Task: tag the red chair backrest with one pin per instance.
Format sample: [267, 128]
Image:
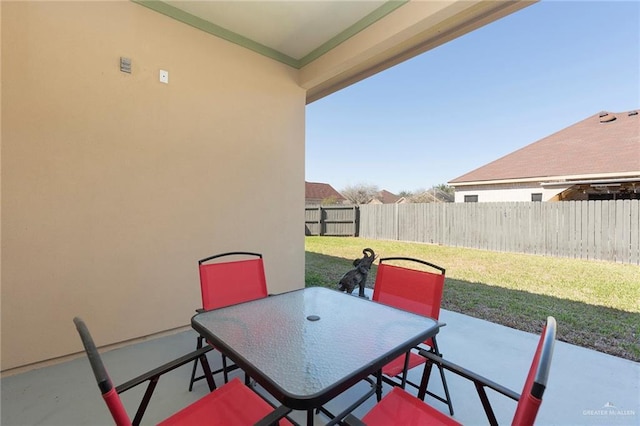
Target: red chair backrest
[227, 283]
[531, 396]
[109, 394]
[413, 290]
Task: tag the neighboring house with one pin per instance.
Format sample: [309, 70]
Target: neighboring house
[386, 197]
[595, 159]
[321, 193]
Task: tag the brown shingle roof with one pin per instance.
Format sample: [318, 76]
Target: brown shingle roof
[320, 191]
[386, 197]
[596, 145]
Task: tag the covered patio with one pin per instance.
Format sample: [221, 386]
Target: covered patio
[114, 183]
[140, 136]
[585, 387]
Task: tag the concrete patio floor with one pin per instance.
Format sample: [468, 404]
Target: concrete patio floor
[585, 387]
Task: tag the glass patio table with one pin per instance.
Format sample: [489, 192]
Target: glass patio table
[307, 346]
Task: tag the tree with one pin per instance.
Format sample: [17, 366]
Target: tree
[329, 201]
[437, 194]
[445, 188]
[360, 193]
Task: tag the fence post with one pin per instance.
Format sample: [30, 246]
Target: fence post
[356, 218]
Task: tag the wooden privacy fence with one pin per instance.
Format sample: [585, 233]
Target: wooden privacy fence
[602, 230]
[331, 220]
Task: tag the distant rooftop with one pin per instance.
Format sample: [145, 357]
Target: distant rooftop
[604, 143]
[386, 197]
[321, 191]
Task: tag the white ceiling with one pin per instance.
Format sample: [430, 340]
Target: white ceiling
[293, 28]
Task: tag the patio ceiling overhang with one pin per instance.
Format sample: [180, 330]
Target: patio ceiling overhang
[334, 44]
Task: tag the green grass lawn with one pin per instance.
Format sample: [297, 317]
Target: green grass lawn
[597, 304]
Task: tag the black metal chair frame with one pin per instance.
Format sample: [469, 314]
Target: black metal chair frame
[225, 369]
[425, 377]
[403, 379]
[337, 418]
[152, 376]
[481, 383]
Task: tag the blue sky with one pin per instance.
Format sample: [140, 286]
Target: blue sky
[475, 99]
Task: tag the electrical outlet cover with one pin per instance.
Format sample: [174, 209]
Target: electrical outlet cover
[164, 76]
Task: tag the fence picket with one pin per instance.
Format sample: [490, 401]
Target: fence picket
[603, 230]
[634, 230]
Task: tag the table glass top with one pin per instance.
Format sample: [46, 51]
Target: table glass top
[281, 337]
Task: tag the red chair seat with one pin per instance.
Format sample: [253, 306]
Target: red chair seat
[396, 366]
[231, 404]
[400, 408]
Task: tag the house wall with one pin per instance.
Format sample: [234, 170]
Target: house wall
[114, 184]
[505, 192]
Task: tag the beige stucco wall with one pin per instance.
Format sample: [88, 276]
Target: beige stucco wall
[113, 184]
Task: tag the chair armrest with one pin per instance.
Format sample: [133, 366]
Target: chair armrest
[352, 420]
[273, 417]
[165, 368]
[470, 375]
[479, 381]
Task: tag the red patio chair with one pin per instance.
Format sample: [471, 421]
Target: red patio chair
[225, 283]
[399, 407]
[418, 291]
[231, 404]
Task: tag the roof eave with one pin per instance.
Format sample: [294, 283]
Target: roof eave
[548, 179]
